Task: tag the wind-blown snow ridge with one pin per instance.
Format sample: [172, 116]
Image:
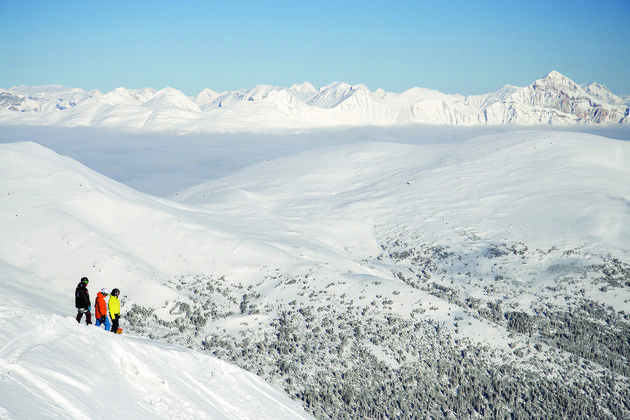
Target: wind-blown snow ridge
[552, 100]
[51, 367]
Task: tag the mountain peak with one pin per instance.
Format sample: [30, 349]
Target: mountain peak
[555, 75]
[601, 92]
[557, 82]
[305, 87]
[171, 97]
[555, 78]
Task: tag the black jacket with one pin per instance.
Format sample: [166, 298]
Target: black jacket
[82, 296]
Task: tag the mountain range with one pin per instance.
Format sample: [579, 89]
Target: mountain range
[552, 100]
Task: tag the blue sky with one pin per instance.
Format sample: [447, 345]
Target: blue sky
[454, 46]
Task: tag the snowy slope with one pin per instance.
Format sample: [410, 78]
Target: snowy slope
[518, 185]
[114, 231]
[552, 100]
[602, 92]
[51, 366]
[54, 368]
[320, 270]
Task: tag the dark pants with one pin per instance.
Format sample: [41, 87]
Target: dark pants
[88, 315]
[115, 323]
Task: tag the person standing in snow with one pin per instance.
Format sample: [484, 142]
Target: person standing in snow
[114, 309]
[82, 301]
[100, 310]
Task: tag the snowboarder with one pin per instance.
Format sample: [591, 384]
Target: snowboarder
[100, 310]
[114, 309]
[82, 301]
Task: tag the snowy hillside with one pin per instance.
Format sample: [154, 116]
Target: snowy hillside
[552, 100]
[50, 366]
[473, 277]
[54, 368]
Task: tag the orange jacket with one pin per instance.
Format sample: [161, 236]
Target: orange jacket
[101, 306]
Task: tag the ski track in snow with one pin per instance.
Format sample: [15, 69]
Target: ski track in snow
[23, 375]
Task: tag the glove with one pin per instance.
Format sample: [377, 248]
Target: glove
[90, 309]
[103, 319]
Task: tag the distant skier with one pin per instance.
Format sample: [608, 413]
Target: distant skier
[114, 309]
[82, 301]
[100, 310]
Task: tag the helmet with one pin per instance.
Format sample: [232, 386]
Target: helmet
[105, 291]
[115, 292]
[84, 280]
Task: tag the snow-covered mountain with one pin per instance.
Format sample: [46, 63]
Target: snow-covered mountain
[558, 100]
[42, 98]
[552, 100]
[487, 277]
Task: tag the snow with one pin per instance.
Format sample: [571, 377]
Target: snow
[602, 93]
[53, 367]
[552, 100]
[63, 369]
[244, 205]
[207, 96]
[169, 99]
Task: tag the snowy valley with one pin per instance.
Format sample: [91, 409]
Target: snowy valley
[403, 271]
